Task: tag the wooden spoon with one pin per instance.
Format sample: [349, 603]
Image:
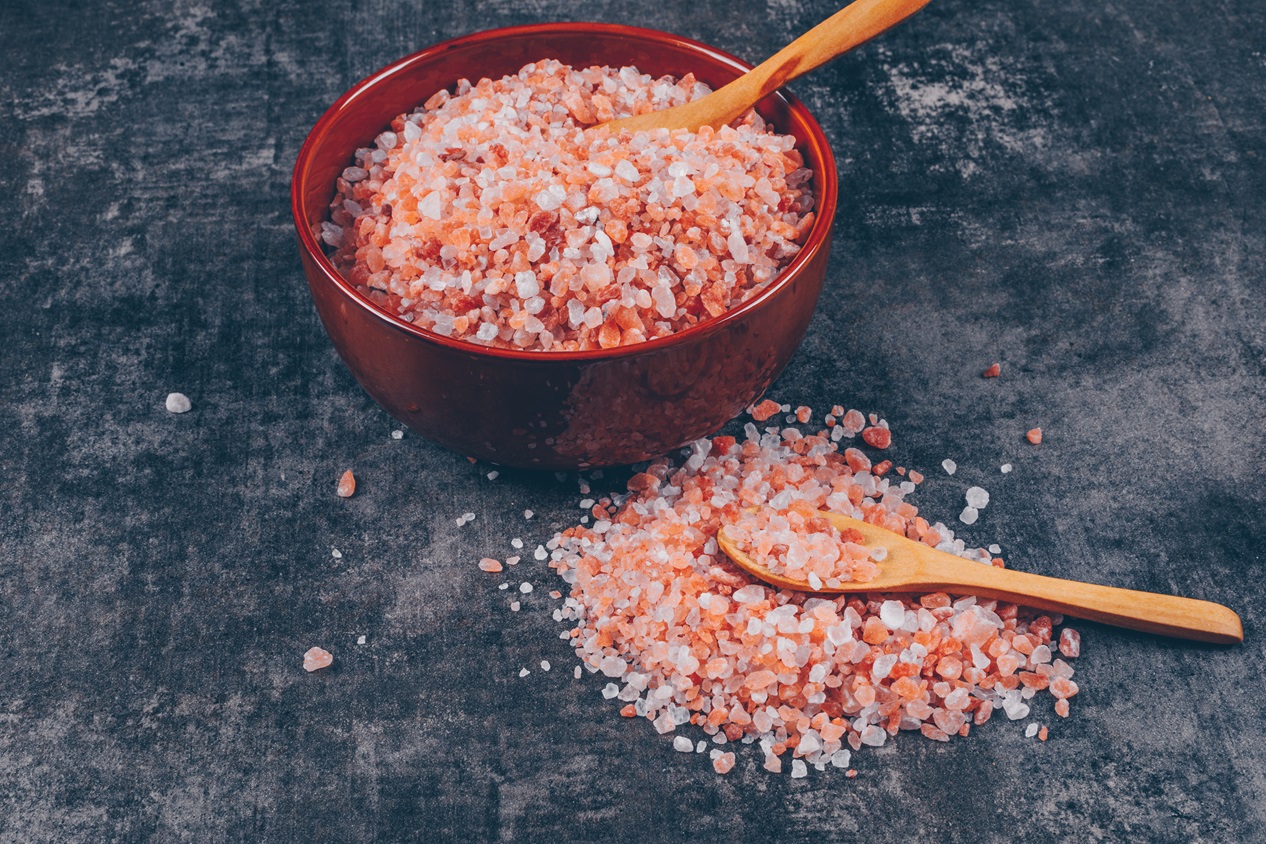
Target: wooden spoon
[854, 24]
[914, 567]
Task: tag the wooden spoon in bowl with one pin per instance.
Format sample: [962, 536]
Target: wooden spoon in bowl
[914, 567]
[854, 24]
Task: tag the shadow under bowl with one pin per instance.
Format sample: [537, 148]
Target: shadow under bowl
[556, 410]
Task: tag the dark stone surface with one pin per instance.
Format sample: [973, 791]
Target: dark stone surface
[1073, 189]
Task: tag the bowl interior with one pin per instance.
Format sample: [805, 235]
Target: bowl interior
[366, 110]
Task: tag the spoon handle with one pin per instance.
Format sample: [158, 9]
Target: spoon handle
[1149, 612]
[855, 24]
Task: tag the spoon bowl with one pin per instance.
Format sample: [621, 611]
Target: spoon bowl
[911, 566]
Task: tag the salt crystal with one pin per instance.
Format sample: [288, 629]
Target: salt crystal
[1005, 468]
[995, 549]
[493, 475]
[969, 515]
[523, 672]
[515, 606]
[397, 434]
[949, 466]
[977, 497]
[545, 665]
[540, 553]
[527, 514]
[336, 554]
[525, 588]
[178, 403]
[315, 659]
[798, 769]
[1030, 731]
[360, 640]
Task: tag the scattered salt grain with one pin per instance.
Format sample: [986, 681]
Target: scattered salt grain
[724, 763]
[316, 658]
[490, 565]
[346, 485]
[949, 466]
[969, 515]
[360, 640]
[1030, 731]
[993, 371]
[523, 672]
[798, 769]
[397, 435]
[977, 497]
[545, 665]
[540, 553]
[527, 514]
[681, 744]
[995, 549]
[336, 554]
[515, 606]
[1005, 468]
[1034, 436]
[178, 403]
[516, 543]
[493, 475]
[525, 588]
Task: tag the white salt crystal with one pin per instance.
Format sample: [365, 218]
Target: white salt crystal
[515, 606]
[1030, 731]
[798, 769]
[516, 543]
[360, 640]
[627, 171]
[525, 588]
[547, 200]
[681, 744]
[749, 594]
[892, 614]
[977, 497]
[493, 475]
[336, 554]
[503, 587]
[431, 206]
[397, 435]
[969, 515]
[540, 553]
[576, 672]
[523, 672]
[949, 466]
[178, 403]
[545, 665]
[527, 514]
[995, 549]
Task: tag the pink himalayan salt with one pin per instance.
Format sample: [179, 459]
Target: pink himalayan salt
[346, 485]
[993, 371]
[798, 544]
[1034, 436]
[317, 658]
[724, 763]
[765, 409]
[490, 565]
[1070, 643]
[694, 639]
[490, 215]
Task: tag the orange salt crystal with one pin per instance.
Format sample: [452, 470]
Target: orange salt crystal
[317, 658]
[803, 414]
[1042, 734]
[851, 773]
[765, 409]
[916, 477]
[881, 468]
[993, 371]
[1061, 708]
[1034, 436]
[629, 711]
[346, 485]
[877, 437]
[874, 632]
[724, 763]
[488, 564]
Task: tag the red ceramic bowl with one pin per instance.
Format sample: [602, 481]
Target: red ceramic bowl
[556, 409]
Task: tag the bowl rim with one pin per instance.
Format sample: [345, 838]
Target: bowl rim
[818, 238]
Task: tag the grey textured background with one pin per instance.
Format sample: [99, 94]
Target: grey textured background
[1074, 189]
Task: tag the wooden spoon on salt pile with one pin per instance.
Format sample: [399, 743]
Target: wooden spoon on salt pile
[855, 24]
[914, 567]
